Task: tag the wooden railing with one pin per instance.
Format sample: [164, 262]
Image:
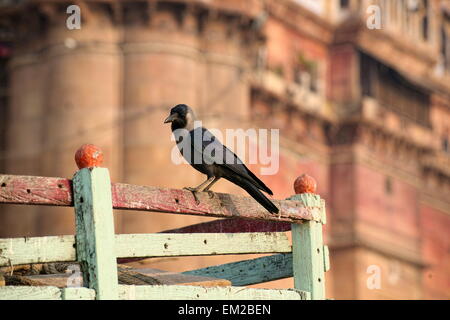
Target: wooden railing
[249, 228]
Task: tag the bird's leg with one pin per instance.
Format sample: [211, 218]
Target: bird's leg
[211, 194]
[196, 189]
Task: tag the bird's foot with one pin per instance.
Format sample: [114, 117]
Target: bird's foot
[210, 193]
[193, 190]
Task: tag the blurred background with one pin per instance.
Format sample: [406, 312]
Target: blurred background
[361, 96]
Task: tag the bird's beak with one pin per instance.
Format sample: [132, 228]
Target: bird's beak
[170, 118]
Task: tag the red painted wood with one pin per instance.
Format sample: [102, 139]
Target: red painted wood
[233, 226]
[35, 190]
[221, 205]
[58, 191]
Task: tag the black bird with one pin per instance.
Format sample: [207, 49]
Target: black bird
[205, 153]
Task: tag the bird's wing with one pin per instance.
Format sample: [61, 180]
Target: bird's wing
[214, 152]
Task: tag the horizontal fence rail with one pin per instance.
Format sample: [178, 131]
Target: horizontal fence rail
[16, 251]
[58, 192]
[157, 292]
[253, 271]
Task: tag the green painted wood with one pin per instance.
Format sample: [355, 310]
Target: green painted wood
[307, 253]
[14, 251]
[175, 292]
[313, 203]
[77, 294]
[326, 258]
[247, 272]
[189, 244]
[29, 293]
[323, 211]
[95, 231]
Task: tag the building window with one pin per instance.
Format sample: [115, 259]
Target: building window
[344, 4]
[445, 145]
[388, 186]
[394, 91]
[425, 28]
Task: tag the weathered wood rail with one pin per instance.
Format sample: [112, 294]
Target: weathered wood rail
[248, 228]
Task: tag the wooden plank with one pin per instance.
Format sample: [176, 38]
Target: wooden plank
[247, 272]
[60, 280]
[174, 278]
[77, 294]
[58, 191]
[17, 251]
[167, 244]
[29, 293]
[14, 251]
[95, 231]
[307, 255]
[35, 190]
[326, 258]
[203, 293]
[127, 275]
[233, 225]
[222, 205]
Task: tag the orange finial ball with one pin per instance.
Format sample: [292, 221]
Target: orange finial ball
[89, 155]
[305, 184]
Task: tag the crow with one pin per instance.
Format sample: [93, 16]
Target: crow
[206, 154]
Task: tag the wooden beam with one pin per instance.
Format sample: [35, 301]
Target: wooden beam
[202, 293]
[247, 272]
[95, 231]
[30, 190]
[192, 244]
[222, 205]
[127, 275]
[35, 190]
[17, 251]
[77, 294]
[307, 254]
[161, 292]
[29, 293]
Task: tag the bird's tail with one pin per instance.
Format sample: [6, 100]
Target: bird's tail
[258, 196]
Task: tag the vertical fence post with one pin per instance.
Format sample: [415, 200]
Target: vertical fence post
[95, 237]
[308, 252]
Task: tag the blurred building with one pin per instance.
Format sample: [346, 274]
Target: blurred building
[360, 91]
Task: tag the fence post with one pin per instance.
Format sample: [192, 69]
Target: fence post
[309, 255]
[95, 237]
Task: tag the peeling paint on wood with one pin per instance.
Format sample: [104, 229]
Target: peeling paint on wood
[206, 293]
[35, 190]
[221, 205]
[77, 294]
[95, 231]
[14, 251]
[247, 272]
[29, 293]
[58, 192]
[307, 253]
[165, 245]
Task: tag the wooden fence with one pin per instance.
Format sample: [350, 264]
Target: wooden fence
[248, 228]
